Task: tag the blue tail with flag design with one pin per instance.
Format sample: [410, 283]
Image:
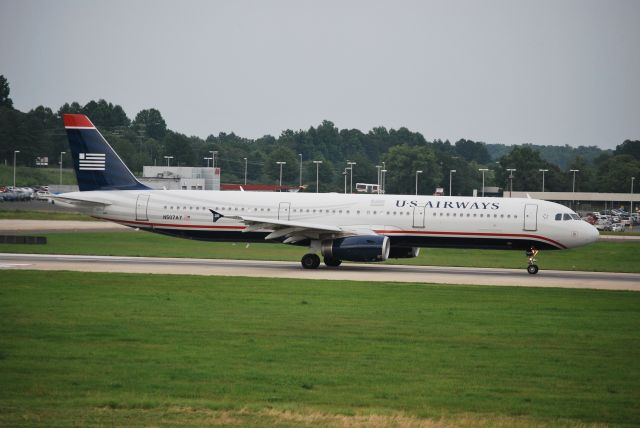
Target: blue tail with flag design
[97, 165]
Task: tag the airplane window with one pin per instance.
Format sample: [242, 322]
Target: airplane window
[515, 216]
[434, 214]
[495, 216]
[566, 217]
[394, 213]
[261, 209]
[172, 207]
[358, 212]
[454, 214]
[474, 214]
[448, 214]
[558, 217]
[575, 216]
[374, 212]
[190, 208]
[481, 215]
[468, 215]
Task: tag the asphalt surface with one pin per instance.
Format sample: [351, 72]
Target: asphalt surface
[348, 271]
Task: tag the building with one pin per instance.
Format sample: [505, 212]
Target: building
[180, 177]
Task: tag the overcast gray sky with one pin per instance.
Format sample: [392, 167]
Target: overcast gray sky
[512, 72]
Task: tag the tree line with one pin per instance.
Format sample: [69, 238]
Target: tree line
[146, 139]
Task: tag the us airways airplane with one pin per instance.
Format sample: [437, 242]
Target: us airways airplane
[362, 227]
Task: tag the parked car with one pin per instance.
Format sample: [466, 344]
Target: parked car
[617, 227]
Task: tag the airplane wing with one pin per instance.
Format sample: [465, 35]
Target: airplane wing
[85, 202]
[294, 231]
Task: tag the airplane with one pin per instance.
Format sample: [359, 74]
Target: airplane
[338, 227]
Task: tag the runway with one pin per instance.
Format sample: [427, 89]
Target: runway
[348, 271]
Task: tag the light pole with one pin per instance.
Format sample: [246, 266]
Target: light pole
[351, 164]
[300, 154]
[543, 171]
[631, 208]
[451, 171]
[317, 174]
[245, 171]
[378, 168]
[281, 163]
[207, 159]
[483, 170]
[573, 186]
[61, 153]
[213, 158]
[168, 158]
[384, 175]
[15, 152]
[511, 171]
[344, 173]
[417, 172]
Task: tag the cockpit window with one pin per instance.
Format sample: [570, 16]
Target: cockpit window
[575, 216]
[558, 217]
[566, 217]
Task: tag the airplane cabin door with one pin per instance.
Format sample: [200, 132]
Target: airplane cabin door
[283, 210]
[142, 204]
[530, 217]
[418, 216]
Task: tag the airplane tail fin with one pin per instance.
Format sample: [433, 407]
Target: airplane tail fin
[97, 165]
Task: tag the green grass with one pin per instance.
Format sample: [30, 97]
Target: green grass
[28, 176]
[604, 256]
[123, 349]
[43, 215]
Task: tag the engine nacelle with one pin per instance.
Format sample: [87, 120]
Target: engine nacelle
[365, 248]
[404, 252]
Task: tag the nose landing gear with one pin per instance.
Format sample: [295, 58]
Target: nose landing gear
[532, 267]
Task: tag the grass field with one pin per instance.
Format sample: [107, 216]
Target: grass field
[601, 256]
[43, 215]
[124, 349]
[28, 176]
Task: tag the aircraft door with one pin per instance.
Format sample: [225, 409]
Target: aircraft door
[283, 210]
[141, 207]
[418, 216]
[530, 217]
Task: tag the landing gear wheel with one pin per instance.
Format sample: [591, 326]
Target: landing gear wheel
[310, 261]
[532, 269]
[332, 262]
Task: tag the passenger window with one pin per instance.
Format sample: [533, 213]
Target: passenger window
[566, 217]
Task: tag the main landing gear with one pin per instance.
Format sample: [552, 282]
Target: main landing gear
[532, 268]
[312, 261]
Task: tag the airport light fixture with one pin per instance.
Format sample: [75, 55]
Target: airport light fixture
[61, 153]
[573, 186]
[417, 172]
[511, 171]
[344, 173]
[168, 158]
[281, 163]
[384, 177]
[245, 171]
[631, 208]
[543, 171]
[351, 164]
[378, 167]
[451, 172]
[317, 174]
[483, 170]
[207, 159]
[300, 154]
[15, 152]
[213, 158]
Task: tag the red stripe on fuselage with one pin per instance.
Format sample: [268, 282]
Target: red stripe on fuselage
[77, 121]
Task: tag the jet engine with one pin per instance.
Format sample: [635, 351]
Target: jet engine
[360, 248]
[404, 252]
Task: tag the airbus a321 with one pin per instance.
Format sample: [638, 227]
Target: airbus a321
[338, 227]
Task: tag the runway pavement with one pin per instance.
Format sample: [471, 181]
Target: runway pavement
[348, 271]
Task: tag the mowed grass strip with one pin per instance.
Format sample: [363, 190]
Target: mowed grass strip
[117, 349]
[604, 256]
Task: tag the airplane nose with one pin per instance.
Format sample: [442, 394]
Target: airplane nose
[591, 233]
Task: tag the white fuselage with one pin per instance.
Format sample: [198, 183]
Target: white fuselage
[419, 221]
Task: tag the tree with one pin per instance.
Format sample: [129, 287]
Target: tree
[151, 121]
[5, 101]
[289, 171]
[472, 151]
[629, 147]
[403, 161]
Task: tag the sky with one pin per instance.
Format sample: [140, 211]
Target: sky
[512, 72]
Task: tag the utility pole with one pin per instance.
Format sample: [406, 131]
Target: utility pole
[317, 174]
[417, 172]
[15, 152]
[483, 170]
[573, 186]
[384, 175]
[245, 171]
[213, 158]
[511, 170]
[61, 153]
[300, 154]
[451, 171]
[281, 163]
[378, 168]
[543, 171]
[168, 158]
[351, 164]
